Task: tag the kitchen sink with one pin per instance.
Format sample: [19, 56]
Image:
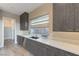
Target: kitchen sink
[34, 37]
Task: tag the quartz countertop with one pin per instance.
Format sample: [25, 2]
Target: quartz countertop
[58, 44]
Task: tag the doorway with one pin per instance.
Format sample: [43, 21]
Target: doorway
[9, 30]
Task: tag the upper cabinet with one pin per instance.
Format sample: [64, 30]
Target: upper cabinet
[65, 17]
[24, 21]
[76, 11]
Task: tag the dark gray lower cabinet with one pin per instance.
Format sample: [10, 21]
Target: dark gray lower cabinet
[35, 48]
[20, 40]
[63, 53]
[52, 51]
[40, 49]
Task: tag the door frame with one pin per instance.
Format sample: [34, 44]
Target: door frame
[2, 32]
[3, 18]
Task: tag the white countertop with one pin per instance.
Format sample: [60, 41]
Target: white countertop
[58, 44]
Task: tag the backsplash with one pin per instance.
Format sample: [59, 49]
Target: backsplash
[23, 32]
[40, 31]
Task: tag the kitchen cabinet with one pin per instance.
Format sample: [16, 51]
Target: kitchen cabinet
[20, 40]
[58, 20]
[52, 51]
[66, 17]
[40, 49]
[69, 18]
[35, 48]
[63, 17]
[64, 53]
[76, 11]
[24, 21]
[28, 45]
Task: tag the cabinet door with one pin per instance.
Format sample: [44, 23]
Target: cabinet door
[63, 17]
[41, 49]
[76, 8]
[27, 44]
[20, 40]
[24, 43]
[60, 52]
[33, 47]
[69, 17]
[58, 17]
[36, 48]
[24, 21]
[52, 51]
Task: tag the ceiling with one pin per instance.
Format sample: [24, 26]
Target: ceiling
[19, 8]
